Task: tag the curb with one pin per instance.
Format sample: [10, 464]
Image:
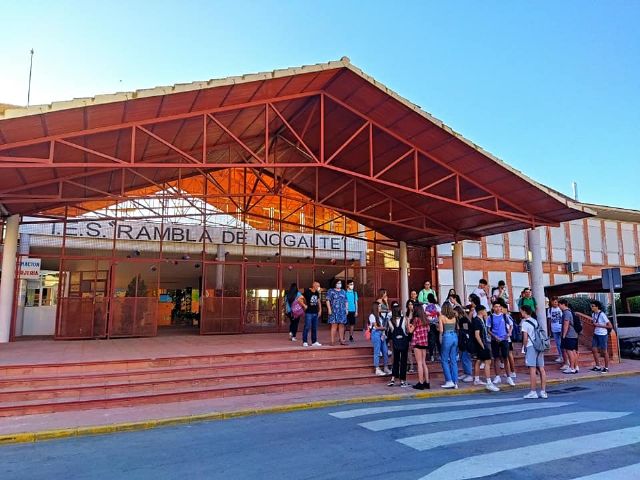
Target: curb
[31, 437]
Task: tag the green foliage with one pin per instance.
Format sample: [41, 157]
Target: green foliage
[580, 304]
[634, 304]
[136, 287]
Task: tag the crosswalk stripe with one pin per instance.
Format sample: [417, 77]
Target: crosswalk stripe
[397, 422]
[495, 462]
[630, 471]
[451, 437]
[360, 412]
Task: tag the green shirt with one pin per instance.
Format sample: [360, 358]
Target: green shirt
[422, 296]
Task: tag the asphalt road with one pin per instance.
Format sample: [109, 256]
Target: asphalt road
[586, 431]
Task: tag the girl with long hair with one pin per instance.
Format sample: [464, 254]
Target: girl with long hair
[419, 343]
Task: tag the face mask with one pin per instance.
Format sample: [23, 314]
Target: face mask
[339, 285]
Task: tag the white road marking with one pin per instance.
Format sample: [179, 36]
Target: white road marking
[397, 422]
[495, 462]
[451, 437]
[630, 471]
[360, 412]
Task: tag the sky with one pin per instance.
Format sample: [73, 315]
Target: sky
[550, 87]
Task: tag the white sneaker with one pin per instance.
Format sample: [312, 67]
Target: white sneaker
[511, 382]
[482, 366]
[448, 385]
[559, 360]
[497, 380]
[565, 366]
[290, 335]
[380, 355]
[577, 368]
[477, 381]
[566, 369]
[491, 387]
[467, 379]
[543, 394]
[455, 386]
[316, 344]
[293, 339]
[379, 372]
[387, 371]
[501, 364]
[305, 344]
[531, 395]
[513, 375]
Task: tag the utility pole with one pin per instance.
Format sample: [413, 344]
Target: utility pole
[30, 69]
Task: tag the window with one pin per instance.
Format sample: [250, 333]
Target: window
[576, 232]
[595, 241]
[471, 280]
[558, 244]
[495, 246]
[444, 249]
[628, 244]
[471, 248]
[560, 278]
[613, 247]
[517, 245]
[519, 281]
[44, 291]
[445, 283]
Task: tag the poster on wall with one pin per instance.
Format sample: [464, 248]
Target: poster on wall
[30, 268]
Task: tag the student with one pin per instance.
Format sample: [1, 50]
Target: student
[482, 350]
[512, 325]
[408, 321]
[600, 336]
[453, 298]
[554, 316]
[569, 337]
[465, 343]
[500, 330]
[448, 326]
[482, 292]
[401, 334]
[379, 341]
[526, 298]
[419, 343]
[293, 295]
[432, 311]
[352, 308]
[337, 310]
[534, 360]
[501, 292]
[423, 296]
[313, 311]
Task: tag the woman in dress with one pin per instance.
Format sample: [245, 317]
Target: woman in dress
[337, 307]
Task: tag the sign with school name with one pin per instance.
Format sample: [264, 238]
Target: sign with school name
[181, 233]
[29, 268]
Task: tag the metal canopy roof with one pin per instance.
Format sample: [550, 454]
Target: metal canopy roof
[630, 287]
[328, 131]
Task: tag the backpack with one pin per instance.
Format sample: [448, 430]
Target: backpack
[577, 323]
[297, 310]
[400, 337]
[541, 339]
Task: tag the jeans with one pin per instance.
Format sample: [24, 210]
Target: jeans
[379, 345]
[448, 356]
[466, 363]
[557, 337]
[310, 322]
[400, 358]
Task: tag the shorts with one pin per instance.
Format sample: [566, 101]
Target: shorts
[483, 355]
[569, 344]
[500, 349]
[420, 347]
[351, 318]
[599, 342]
[533, 358]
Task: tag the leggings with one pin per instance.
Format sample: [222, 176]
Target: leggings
[400, 358]
[434, 340]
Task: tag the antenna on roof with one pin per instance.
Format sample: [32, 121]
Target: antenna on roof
[575, 190]
[30, 69]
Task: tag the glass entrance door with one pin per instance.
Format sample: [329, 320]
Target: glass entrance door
[262, 299]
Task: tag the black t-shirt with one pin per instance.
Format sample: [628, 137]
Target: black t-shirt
[478, 325]
[312, 299]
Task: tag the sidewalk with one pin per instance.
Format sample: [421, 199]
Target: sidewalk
[32, 428]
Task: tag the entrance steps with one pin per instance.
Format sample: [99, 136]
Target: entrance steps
[48, 388]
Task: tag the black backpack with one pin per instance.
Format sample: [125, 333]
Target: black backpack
[400, 337]
[577, 323]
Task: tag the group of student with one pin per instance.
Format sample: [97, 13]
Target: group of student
[480, 334]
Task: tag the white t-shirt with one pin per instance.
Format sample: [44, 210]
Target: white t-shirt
[484, 299]
[372, 320]
[527, 327]
[599, 320]
[555, 317]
